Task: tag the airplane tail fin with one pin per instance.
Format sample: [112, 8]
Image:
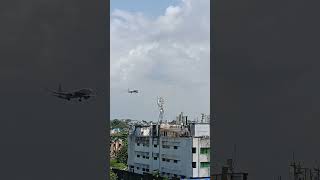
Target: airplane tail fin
[60, 88]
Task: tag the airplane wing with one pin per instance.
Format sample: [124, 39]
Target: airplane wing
[64, 93]
[60, 94]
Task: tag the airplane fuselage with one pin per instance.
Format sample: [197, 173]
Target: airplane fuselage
[81, 93]
[133, 91]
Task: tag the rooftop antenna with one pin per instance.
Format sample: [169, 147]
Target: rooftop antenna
[202, 117]
[160, 103]
[317, 171]
[296, 167]
[234, 156]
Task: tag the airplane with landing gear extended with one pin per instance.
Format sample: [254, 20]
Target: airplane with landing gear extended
[84, 93]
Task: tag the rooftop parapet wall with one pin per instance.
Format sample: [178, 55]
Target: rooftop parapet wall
[173, 130]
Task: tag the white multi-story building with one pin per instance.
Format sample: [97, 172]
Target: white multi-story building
[178, 149]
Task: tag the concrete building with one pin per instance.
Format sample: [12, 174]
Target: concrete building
[115, 131]
[177, 149]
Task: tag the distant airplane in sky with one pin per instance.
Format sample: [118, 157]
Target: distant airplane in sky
[133, 91]
[85, 93]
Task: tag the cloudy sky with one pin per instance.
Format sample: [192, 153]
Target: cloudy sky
[162, 49]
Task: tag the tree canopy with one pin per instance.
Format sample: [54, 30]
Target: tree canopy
[122, 155]
[113, 175]
[116, 123]
[117, 165]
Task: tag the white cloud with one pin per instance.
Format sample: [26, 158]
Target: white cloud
[167, 55]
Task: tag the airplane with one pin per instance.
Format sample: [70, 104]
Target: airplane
[133, 91]
[85, 93]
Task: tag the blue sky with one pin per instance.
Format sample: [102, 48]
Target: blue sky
[151, 8]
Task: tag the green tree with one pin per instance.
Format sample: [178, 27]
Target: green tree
[116, 123]
[117, 165]
[113, 175]
[122, 155]
[121, 135]
[156, 174]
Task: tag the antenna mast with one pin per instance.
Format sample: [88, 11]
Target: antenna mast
[160, 103]
[235, 156]
[317, 171]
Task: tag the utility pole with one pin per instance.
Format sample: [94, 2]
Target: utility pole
[305, 172]
[234, 157]
[317, 170]
[294, 166]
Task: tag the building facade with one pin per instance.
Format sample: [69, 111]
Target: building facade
[178, 149]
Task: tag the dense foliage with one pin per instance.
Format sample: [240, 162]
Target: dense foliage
[120, 161]
[122, 155]
[113, 176]
[116, 123]
[117, 165]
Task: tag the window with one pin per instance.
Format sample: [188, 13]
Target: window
[143, 157]
[204, 150]
[147, 170]
[204, 164]
[143, 169]
[168, 160]
[194, 165]
[138, 144]
[163, 159]
[193, 150]
[155, 158]
[131, 166]
[165, 133]
[165, 146]
[147, 157]
[175, 147]
[175, 161]
[138, 155]
[155, 145]
[138, 168]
